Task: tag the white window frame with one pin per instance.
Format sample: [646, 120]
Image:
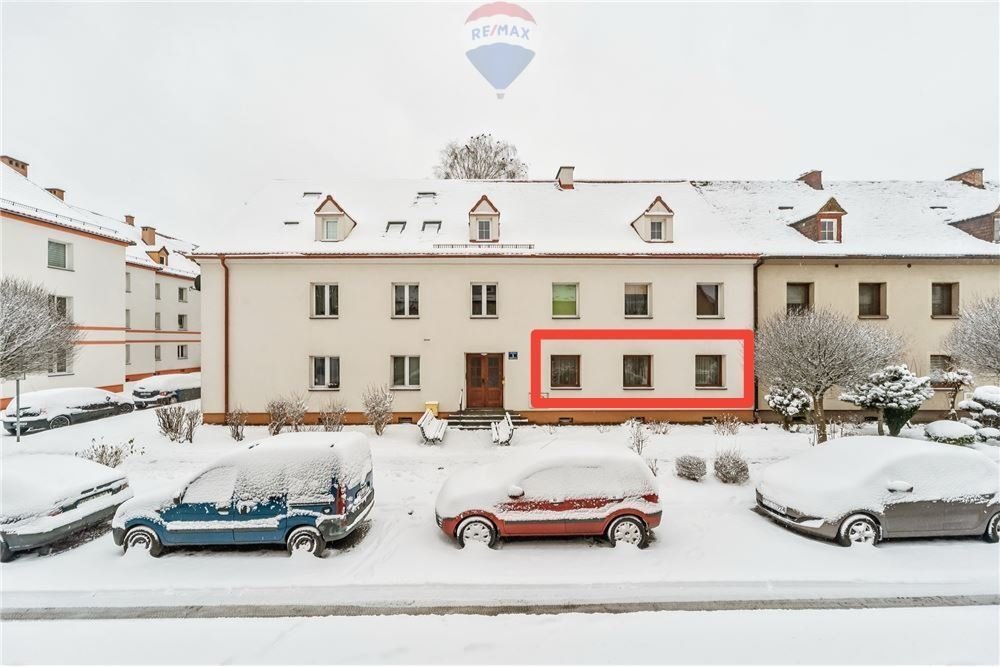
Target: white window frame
[326, 386]
[406, 301]
[157, 322]
[156, 291]
[128, 282]
[482, 301]
[182, 351]
[326, 300]
[407, 367]
[720, 304]
[479, 230]
[182, 322]
[662, 227]
[324, 228]
[67, 304]
[823, 231]
[54, 367]
[67, 253]
[182, 294]
[576, 302]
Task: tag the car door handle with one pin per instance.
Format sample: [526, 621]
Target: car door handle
[222, 509]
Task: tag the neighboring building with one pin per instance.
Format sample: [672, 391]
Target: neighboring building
[582, 301]
[103, 271]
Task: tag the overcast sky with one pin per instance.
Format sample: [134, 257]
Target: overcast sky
[174, 112]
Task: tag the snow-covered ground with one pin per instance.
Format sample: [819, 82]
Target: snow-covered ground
[710, 545]
[964, 635]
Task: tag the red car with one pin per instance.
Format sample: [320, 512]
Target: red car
[571, 490]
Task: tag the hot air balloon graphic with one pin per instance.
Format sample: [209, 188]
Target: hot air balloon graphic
[500, 37]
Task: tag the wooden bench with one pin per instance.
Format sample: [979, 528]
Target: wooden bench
[503, 430]
[432, 429]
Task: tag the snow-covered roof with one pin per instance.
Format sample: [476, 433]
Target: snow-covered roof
[711, 218]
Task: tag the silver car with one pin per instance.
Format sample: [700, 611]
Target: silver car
[860, 490]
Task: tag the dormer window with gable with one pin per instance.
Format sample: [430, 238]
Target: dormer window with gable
[332, 222]
[484, 222]
[330, 226]
[828, 229]
[656, 224]
[824, 226]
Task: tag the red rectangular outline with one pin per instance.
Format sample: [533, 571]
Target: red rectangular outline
[744, 402]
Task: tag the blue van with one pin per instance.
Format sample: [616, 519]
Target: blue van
[299, 489]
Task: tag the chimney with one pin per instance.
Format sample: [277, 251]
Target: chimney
[564, 178]
[813, 179]
[15, 164]
[57, 192]
[130, 220]
[973, 177]
[149, 235]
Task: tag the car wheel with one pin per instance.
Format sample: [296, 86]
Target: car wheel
[142, 538]
[858, 529]
[172, 400]
[305, 539]
[125, 408]
[59, 422]
[628, 530]
[5, 552]
[476, 530]
[992, 533]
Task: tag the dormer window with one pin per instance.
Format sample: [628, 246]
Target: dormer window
[485, 233]
[332, 222]
[827, 229]
[656, 224]
[330, 229]
[823, 226]
[484, 221]
[656, 230]
[395, 227]
[431, 227]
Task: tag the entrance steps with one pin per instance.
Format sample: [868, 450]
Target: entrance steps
[479, 420]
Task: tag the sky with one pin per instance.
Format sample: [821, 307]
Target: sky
[176, 112]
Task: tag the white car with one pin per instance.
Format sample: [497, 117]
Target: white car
[47, 497]
[169, 388]
[55, 408]
[859, 490]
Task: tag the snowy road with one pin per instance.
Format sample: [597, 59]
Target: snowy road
[964, 635]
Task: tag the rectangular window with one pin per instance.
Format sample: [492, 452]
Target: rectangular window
[395, 227]
[798, 297]
[156, 291]
[564, 300]
[182, 322]
[63, 305]
[128, 354]
[656, 230]
[431, 227]
[484, 299]
[61, 364]
[564, 371]
[709, 300]
[941, 363]
[128, 282]
[944, 299]
[156, 321]
[708, 371]
[636, 300]
[325, 372]
[827, 229]
[406, 300]
[484, 230]
[182, 294]
[128, 318]
[59, 255]
[329, 230]
[326, 300]
[157, 354]
[637, 371]
[182, 351]
[406, 372]
[871, 299]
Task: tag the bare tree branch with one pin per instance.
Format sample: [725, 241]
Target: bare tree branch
[975, 339]
[33, 333]
[481, 156]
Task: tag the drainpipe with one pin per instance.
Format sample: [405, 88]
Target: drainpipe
[756, 381]
[225, 333]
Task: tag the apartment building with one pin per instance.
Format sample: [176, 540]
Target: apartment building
[563, 300]
[129, 289]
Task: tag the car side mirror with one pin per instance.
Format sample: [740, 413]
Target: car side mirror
[514, 491]
[898, 486]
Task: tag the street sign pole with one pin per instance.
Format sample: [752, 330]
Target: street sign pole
[17, 407]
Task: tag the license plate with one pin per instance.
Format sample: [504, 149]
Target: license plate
[773, 505]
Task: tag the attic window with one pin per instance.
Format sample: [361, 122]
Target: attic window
[828, 229]
[785, 208]
[312, 194]
[431, 226]
[938, 206]
[656, 230]
[395, 227]
[291, 222]
[425, 195]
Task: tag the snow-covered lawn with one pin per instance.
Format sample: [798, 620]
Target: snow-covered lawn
[964, 635]
[709, 546]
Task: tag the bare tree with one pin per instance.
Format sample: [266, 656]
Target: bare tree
[377, 403]
[818, 350]
[34, 331]
[481, 156]
[975, 339]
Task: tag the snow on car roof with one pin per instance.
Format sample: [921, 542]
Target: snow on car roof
[35, 483]
[169, 382]
[852, 473]
[594, 218]
[66, 397]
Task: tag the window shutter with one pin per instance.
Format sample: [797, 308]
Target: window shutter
[57, 254]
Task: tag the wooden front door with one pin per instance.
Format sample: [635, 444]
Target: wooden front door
[484, 380]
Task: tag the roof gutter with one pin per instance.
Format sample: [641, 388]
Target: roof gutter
[756, 317]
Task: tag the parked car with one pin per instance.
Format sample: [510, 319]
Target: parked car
[54, 408]
[571, 490]
[47, 497]
[860, 490]
[299, 489]
[164, 389]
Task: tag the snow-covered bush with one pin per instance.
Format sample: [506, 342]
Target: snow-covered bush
[954, 381]
[111, 455]
[731, 467]
[660, 428]
[950, 433]
[236, 420]
[192, 420]
[726, 424]
[170, 420]
[297, 408]
[331, 418]
[984, 407]
[377, 403]
[788, 402]
[690, 467]
[603, 428]
[988, 434]
[973, 339]
[895, 392]
[654, 466]
[637, 435]
[284, 412]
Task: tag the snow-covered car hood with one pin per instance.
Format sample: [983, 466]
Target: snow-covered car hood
[145, 506]
[169, 382]
[62, 401]
[34, 484]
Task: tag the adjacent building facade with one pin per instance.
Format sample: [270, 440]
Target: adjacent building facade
[569, 301]
[128, 288]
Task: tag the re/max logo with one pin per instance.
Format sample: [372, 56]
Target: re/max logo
[500, 30]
